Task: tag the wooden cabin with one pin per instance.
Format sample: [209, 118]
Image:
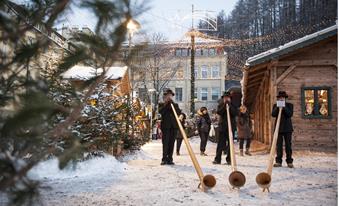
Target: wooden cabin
[116, 77]
[307, 70]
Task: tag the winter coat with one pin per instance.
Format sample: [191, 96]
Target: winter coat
[243, 126]
[285, 121]
[223, 125]
[203, 122]
[168, 120]
[179, 135]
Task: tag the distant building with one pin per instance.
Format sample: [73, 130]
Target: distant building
[210, 71]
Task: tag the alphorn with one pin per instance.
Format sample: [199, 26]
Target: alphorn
[207, 181]
[237, 179]
[264, 179]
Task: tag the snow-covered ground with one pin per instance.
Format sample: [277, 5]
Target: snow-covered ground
[142, 181]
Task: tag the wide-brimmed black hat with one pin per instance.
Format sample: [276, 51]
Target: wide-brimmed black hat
[226, 94]
[168, 91]
[282, 94]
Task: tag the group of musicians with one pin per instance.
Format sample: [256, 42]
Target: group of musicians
[169, 128]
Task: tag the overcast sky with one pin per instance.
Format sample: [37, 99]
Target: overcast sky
[170, 17]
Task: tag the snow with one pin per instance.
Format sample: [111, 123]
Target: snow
[87, 72]
[140, 180]
[92, 168]
[290, 44]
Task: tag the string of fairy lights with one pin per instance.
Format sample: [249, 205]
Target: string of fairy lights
[239, 45]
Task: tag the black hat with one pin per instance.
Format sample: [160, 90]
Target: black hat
[168, 91]
[282, 94]
[226, 94]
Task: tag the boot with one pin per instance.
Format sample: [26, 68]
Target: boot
[241, 152]
[203, 154]
[178, 153]
[248, 152]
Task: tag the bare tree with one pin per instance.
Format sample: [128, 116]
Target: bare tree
[155, 65]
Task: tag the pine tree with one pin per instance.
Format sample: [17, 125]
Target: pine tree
[40, 115]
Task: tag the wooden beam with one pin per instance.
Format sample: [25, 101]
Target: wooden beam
[261, 85]
[254, 84]
[255, 74]
[258, 78]
[285, 74]
[256, 68]
[307, 63]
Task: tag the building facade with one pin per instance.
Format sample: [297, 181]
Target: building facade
[210, 71]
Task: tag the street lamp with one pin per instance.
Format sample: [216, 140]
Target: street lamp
[151, 119]
[132, 27]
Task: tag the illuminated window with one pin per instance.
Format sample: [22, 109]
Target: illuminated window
[316, 102]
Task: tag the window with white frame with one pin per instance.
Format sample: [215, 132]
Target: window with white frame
[184, 52]
[195, 93]
[204, 72]
[211, 52]
[215, 93]
[178, 94]
[196, 72]
[204, 93]
[216, 71]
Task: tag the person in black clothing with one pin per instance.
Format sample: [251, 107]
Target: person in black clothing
[204, 126]
[285, 130]
[223, 127]
[179, 138]
[169, 127]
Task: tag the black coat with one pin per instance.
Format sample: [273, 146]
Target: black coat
[168, 120]
[285, 121]
[203, 122]
[223, 125]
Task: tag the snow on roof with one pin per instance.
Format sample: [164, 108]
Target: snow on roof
[291, 46]
[87, 72]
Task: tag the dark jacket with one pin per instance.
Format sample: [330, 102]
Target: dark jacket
[243, 126]
[223, 125]
[168, 120]
[286, 114]
[179, 135]
[203, 122]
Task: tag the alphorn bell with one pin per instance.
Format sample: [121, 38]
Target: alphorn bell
[207, 181]
[264, 179]
[237, 179]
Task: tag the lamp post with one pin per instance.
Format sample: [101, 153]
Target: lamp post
[151, 119]
[132, 27]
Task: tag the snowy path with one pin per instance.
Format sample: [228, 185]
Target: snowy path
[143, 181]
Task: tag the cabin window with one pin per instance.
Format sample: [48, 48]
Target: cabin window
[316, 102]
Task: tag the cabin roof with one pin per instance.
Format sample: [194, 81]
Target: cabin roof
[292, 46]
